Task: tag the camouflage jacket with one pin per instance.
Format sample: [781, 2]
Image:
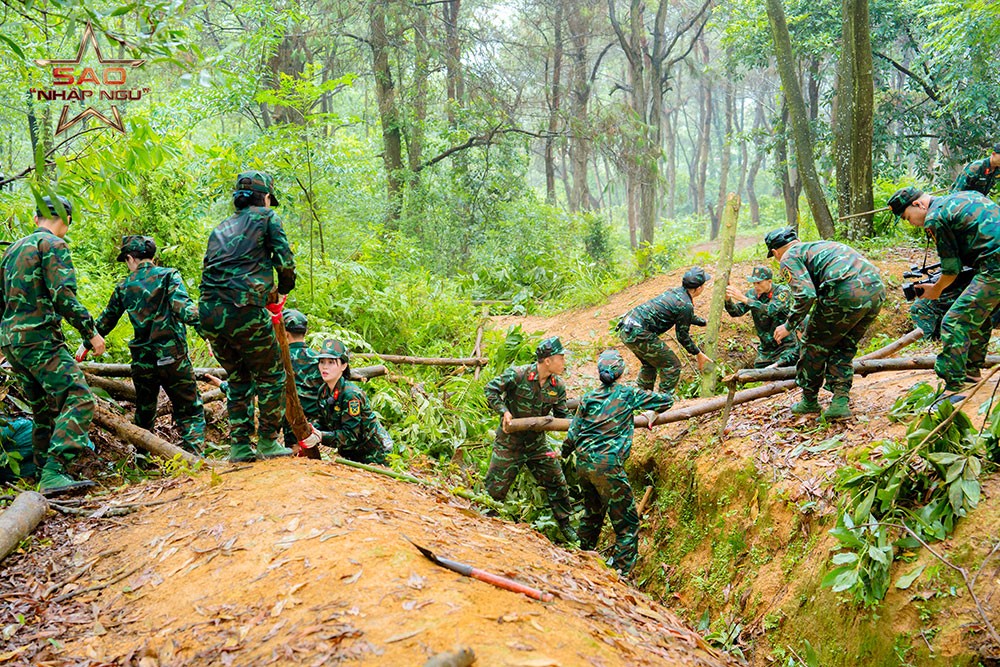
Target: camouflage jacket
[518, 391]
[768, 311]
[673, 308]
[242, 256]
[37, 290]
[602, 427]
[836, 274]
[345, 418]
[977, 176]
[307, 378]
[966, 229]
[158, 306]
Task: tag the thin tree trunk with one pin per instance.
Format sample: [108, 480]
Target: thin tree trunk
[385, 92]
[578, 21]
[729, 213]
[421, 69]
[453, 59]
[724, 161]
[631, 204]
[789, 191]
[554, 101]
[670, 148]
[758, 158]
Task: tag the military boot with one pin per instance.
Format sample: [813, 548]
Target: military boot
[54, 481]
[808, 405]
[241, 453]
[268, 448]
[839, 408]
[569, 533]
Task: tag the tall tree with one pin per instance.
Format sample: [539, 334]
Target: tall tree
[579, 20]
[801, 134]
[555, 99]
[385, 93]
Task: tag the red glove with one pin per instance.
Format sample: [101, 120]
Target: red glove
[81, 353]
[275, 310]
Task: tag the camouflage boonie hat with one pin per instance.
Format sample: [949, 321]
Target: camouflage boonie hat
[334, 349]
[777, 238]
[695, 277]
[610, 363]
[902, 198]
[134, 244]
[549, 348]
[760, 274]
[295, 321]
[49, 210]
[256, 181]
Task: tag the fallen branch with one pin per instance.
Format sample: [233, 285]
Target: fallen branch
[861, 367]
[212, 396]
[98, 587]
[20, 519]
[125, 371]
[895, 345]
[645, 501]
[116, 388]
[140, 437]
[424, 361]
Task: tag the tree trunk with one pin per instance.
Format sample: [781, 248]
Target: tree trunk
[631, 204]
[729, 213]
[799, 119]
[758, 158]
[555, 97]
[421, 69]
[670, 149]
[453, 59]
[724, 161]
[578, 21]
[789, 191]
[854, 121]
[140, 437]
[290, 60]
[21, 518]
[704, 140]
[385, 93]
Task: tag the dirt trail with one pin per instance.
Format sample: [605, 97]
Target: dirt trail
[303, 562]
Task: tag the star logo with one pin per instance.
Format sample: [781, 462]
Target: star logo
[88, 38]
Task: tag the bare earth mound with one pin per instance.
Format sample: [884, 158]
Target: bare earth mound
[303, 562]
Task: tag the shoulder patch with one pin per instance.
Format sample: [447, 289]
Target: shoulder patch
[786, 275]
[354, 407]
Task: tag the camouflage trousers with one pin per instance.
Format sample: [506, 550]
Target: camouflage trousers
[60, 400]
[966, 329]
[829, 345]
[784, 355]
[656, 358]
[243, 341]
[177, 380]
[606, 490]
[511, 453]
[374, 450]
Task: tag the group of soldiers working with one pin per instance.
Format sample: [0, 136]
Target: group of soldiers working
[239, 299]
[815, 321]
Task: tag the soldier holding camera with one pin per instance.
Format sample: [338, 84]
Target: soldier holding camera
[965, 227]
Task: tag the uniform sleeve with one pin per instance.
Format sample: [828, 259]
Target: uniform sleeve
[113, 312]
[683, 328]
[560, 410]
[181, 305]
[947, 249]
[736, 308]
[964, 179]
[60, 278]
[643, 399]
[803, 292]
[496, 391]
[281, 255]
[569, 444]
[350, 429]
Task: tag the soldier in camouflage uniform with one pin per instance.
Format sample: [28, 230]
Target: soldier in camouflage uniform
[979, 176]
[237, 291]
[158, 307]
[601, 435]
[346, 421]
[534, 390]
[641, 327]
[38, 290]
[845, 293]
[308, 380]
[966, 229]
[769, 304]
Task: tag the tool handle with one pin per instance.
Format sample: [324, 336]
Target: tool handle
[510, 585]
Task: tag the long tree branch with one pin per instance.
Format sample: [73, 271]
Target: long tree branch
[929, 88]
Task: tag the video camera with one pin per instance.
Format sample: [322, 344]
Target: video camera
[929, 274]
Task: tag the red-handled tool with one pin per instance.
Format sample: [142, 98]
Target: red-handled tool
[482, 575]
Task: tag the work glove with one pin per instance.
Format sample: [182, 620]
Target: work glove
[311, 440]
[650, 416]
[81, 353]
[276, 308]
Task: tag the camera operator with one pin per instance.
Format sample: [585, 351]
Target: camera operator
[965, 227]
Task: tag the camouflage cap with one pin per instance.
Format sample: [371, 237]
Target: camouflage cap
[695, 277]
[334, 349]
[49, 210]
[610, 366]
[134, 244]
[257, 181]
[295, 321]
[778, 238]
[902, 198]
[760, 274]
[549, 347]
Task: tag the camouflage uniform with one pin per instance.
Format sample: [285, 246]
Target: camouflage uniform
[966, 229]
[38, 290]
[978, 176]
[347, 423]
[158, 307]
[640, 330]
[601, 435]
[848, 294]
[308, 382]
[768, 311]
[237, 282]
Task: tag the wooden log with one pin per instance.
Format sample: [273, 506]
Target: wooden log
[368, 372]
[645, 501]
[212, 396]
[895, 345]
[20, 519]
[861, 367]
[140, 437]
[727, 237]
[125, 371]
[116, 388]
[424, 361]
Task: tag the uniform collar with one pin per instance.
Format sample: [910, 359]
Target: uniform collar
[297, 345]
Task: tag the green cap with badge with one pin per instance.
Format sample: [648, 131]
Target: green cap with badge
[295, 321]
[256, 181]
[334, 349]
[902, 198]
[549, 347]
[140, 247]
[760, 274]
